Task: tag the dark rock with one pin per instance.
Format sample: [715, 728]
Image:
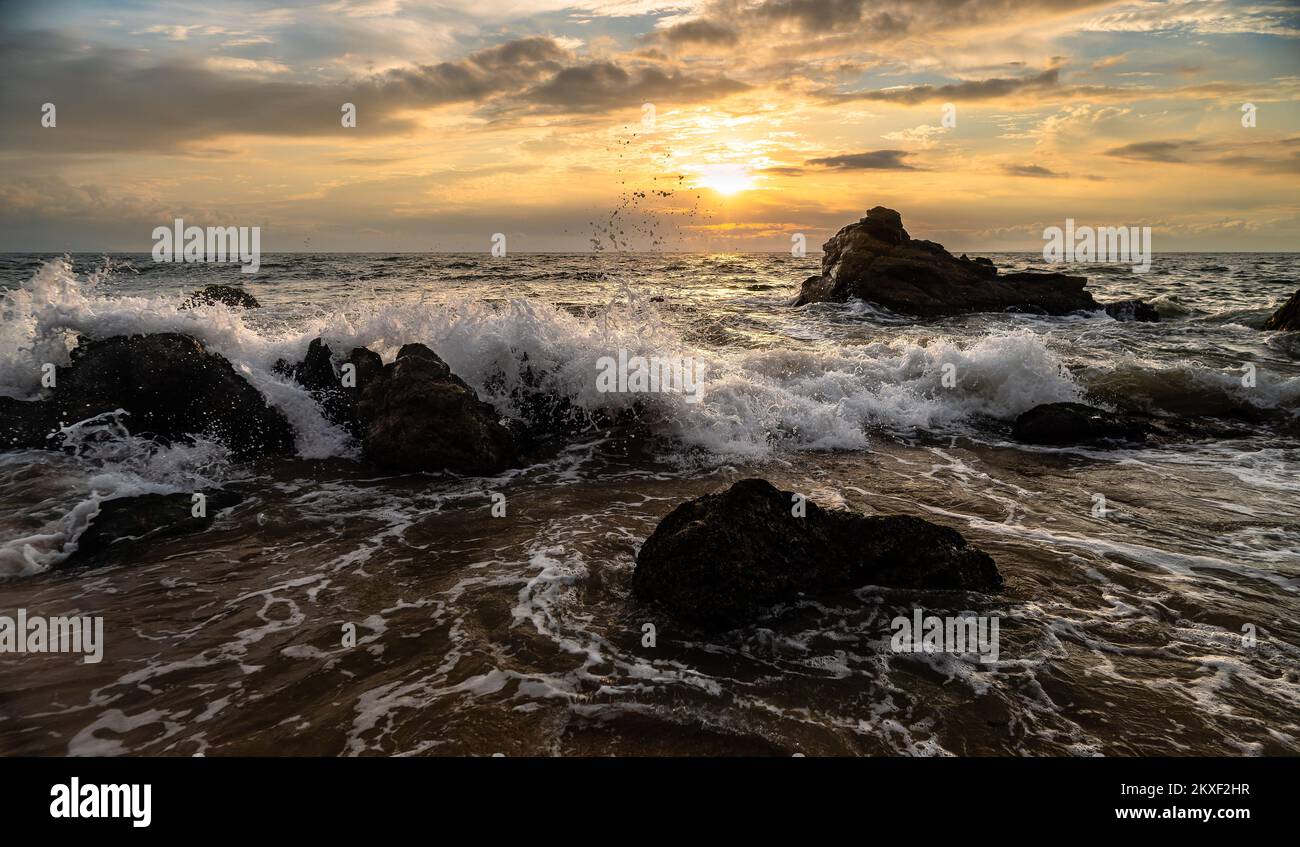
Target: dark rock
[368, 365]
[26, 424]
[316, 371]
[316, 374]
[1076, 423]
[413, 414]
[545, 417]
[1286, 318]
[208, 295]
[419, 351]
[1133, 310]
[417, 415]
[877, 261]
[126, 524]
[173, 388]
[722, 560]
[170, 387]
[334, 391]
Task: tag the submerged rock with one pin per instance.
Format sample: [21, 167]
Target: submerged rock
[229, 295]
[876, 260]
[125, 524]
[1286, 318]
[415, 414]
[1133, 310]
[170, 386]
[1076, 423]
[722, 560]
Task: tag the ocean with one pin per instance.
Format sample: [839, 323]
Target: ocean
[1165, 623]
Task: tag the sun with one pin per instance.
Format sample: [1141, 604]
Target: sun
[726, 179]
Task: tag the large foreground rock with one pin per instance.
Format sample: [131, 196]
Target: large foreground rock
[1286, 318]
[876, 260]
[171, 387]
[722, 560]
[415, 414]
[1076, 423]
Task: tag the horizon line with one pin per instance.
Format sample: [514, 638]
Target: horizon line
[577, 253]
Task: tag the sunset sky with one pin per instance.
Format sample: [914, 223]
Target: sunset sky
[528, 117]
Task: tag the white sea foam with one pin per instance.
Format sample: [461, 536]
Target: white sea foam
[107, 462]
[758, 403]
[755, 401]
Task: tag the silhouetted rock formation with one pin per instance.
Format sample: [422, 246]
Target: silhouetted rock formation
[722, 560]
[877, 261]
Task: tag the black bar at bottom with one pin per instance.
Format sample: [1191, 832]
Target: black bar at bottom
[227, 796]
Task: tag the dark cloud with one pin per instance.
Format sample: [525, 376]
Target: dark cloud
[700, 32]
[601, 86]
[1154, 151]
[813, 14]
[1263, 157]
[984, 89]
[372, 160]
[505, 67]
[1284, 164]
[881, 20]
[114, 100]
[873, 160]
[1030, 170]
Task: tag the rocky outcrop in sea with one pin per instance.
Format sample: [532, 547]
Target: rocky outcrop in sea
[877, 261]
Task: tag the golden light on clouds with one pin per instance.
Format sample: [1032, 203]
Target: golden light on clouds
[531, 121]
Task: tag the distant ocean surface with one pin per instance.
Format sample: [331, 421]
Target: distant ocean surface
[1121, 635]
